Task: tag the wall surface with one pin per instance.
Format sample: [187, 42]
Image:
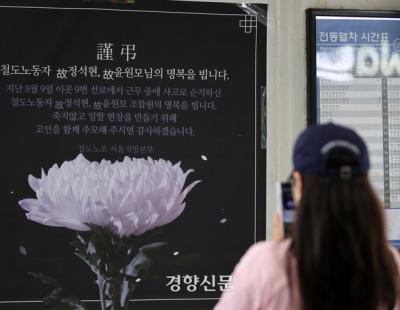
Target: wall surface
[287, 81]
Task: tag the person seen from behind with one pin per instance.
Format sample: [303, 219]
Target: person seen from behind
[338, 256]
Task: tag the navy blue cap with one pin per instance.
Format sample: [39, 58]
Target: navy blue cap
[316, 143]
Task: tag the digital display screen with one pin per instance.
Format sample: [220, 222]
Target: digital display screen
[356, 83]
[354, 80]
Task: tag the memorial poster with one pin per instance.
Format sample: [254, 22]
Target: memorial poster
[171, 86]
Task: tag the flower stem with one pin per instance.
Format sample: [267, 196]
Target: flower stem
[101, 282]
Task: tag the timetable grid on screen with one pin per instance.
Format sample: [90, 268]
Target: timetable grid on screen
[358, 85]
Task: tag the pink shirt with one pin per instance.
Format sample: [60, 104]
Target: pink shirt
[260, 280]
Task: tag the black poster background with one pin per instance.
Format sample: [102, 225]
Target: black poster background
[184, 35]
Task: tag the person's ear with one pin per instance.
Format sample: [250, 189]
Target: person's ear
[297, 187]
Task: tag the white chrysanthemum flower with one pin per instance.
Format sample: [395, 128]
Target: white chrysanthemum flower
[129, 197]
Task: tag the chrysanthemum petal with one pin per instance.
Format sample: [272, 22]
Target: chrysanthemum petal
[129, 197]
[30, 205]
[34, 183]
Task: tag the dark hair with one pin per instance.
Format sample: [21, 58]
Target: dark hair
[340, 245]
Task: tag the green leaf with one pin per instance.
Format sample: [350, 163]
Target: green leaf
[45, 279]
[142, 263]
[59, 298]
